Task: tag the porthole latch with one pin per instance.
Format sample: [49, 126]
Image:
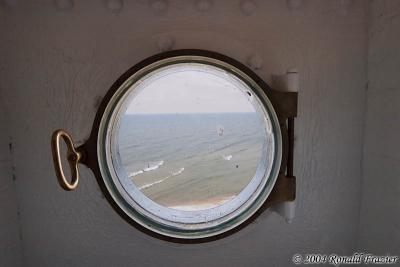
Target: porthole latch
[73, 158]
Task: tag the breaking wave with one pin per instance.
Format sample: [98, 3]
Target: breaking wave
[154, 166]
[149, 168]
[229, 157]
[162, 180]
[132, 174]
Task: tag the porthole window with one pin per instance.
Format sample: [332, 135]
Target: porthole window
[185, 144]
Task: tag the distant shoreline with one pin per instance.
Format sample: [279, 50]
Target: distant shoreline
[202, 205]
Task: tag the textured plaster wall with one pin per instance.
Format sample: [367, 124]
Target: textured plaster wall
[380, 217]
[58, 62]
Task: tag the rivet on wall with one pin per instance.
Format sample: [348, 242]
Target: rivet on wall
[10, 3]
[294, 4]
[255, 62]
[203, 5]
[159, 6]
[165, 43]
[248, 7]
[344, 6]
[97, 101]
[64, 4]
[114, 6]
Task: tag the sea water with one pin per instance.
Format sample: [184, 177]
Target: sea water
[191, 161]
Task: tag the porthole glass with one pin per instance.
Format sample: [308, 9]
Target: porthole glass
[189, 146]
[190, 137]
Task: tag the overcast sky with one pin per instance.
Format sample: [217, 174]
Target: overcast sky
[190, 91]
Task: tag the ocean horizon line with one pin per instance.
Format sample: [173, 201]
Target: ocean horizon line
[187, 113]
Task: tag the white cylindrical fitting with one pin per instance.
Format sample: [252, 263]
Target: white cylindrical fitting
[292, 80]
[287, 210]
[288, 82]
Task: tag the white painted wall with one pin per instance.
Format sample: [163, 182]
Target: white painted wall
[380, 216]
[10, 245]
[56, 65]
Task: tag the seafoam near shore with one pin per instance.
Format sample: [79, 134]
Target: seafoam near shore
[191, 161]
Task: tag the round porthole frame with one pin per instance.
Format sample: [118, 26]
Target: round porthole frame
[280, 186]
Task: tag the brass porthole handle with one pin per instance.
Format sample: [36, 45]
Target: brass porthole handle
[73, 157]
